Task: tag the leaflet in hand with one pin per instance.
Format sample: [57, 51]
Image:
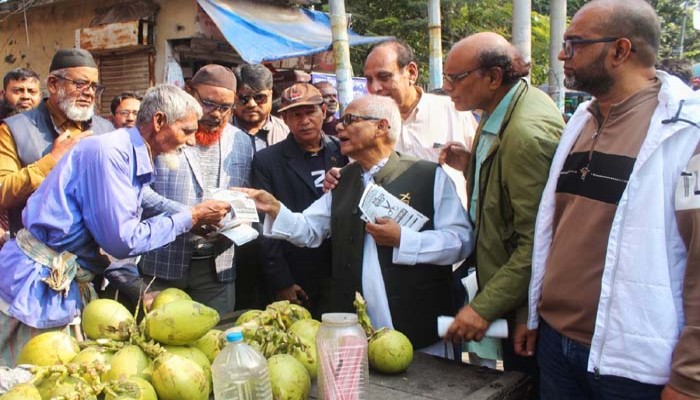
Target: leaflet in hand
[236, 224]
[376, 202]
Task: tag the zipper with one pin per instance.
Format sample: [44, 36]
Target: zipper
[597, 362]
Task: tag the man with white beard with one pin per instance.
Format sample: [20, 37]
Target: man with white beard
[31, 143]
[88, 204]
[221, 158]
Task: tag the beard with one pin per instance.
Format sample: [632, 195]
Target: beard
[73, 111]
[593, 78]
[206, 136]
[172, 159]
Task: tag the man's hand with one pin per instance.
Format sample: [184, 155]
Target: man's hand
[64, 142]
[332, 179]
[264, 201]
[468, 325]
[386, 232]
[455, 155]
[524, 340]
[669, 393]
[209, 212]
[148, 298]
[295, 294]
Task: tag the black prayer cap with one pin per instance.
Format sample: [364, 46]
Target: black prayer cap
[70, 58]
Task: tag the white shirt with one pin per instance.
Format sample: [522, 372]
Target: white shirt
[434, 122]
[451, 239]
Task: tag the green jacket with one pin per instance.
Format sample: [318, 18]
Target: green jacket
[511, 181]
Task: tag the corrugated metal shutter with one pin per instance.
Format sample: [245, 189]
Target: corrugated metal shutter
[121, 72]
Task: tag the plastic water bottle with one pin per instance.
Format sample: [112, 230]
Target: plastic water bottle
[240, 372]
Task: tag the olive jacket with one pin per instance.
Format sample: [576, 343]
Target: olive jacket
[510, 185]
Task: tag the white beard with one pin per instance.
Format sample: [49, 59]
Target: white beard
[72, 111]
[172, 160]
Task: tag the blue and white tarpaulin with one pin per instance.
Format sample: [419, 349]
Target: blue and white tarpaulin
[264, 32]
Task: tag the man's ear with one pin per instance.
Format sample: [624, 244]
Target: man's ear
[382, 128]
[495, 77]
[412, 69]
[159, 121]
[52, 85]
[324, 109]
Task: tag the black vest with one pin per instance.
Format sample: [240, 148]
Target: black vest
[34, 134]
[417, 294]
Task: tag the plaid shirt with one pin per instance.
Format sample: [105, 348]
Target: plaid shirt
[174, 190]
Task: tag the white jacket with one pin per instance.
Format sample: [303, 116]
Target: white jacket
[640, 310]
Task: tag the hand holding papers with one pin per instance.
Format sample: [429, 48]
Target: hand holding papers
[376, 202]
[236, 225]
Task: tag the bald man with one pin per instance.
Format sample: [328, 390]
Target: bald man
[510, 161]
[615, 271]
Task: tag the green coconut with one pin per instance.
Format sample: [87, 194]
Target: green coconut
[93, 356]
[129, 361]
[22, 391]
[49, 348]
[210, 344]
[177, 378]
[307, 329]
[246, 317]
[108, 319]
[193, 354]
[168, 296]
[390, 351]
[289, 378]
[132, 388]
[65, 387]
[180, 322]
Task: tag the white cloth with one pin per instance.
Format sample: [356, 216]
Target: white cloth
[640, 311]
[434, 122]
[452, 239]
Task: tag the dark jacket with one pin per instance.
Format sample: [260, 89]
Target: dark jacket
[282, 170]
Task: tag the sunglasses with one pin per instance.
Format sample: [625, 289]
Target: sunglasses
[259, 98]
[349, 119]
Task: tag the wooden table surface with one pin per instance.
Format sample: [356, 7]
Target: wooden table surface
[430, 377]
[434, 378]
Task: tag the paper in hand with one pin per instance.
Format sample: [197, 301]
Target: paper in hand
[376, 202]
[236, 224]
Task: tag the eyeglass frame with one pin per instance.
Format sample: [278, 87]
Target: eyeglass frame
[126, 113]
[245, 98]
[83, 85]
[577, 41]
[213, 106]
[452, 78]
[353, 118]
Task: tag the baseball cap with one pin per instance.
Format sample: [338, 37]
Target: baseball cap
[300, 94]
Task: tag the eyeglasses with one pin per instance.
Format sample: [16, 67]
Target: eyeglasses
[259, 98]
[452, 78]
[126, 113]
[83, 85]
[568, 44]
[349, 119]
[211, 106]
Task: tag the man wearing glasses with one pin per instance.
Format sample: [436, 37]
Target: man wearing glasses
[518, 134]
[124, 109]
[252, 114]
[221, 158]
[254, 106]
[293, 171]
[614, 294]
[31, 143]
[404, 275]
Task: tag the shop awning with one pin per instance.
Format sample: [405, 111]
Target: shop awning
[264, 32]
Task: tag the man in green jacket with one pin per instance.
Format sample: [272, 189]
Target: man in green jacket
[507, 169]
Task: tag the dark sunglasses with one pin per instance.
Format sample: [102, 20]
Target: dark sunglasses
[259, 98]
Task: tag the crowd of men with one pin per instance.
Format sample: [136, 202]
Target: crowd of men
[584, 236]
